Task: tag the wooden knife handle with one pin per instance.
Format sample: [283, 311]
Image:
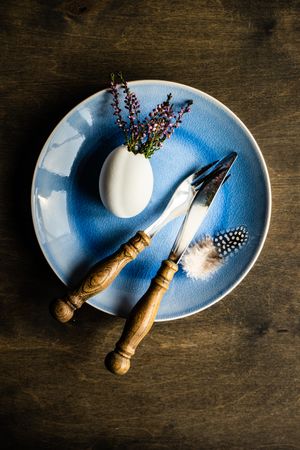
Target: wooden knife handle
[99, 277]
[140, 320]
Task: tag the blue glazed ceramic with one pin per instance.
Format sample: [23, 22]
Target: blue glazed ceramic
[75, 231]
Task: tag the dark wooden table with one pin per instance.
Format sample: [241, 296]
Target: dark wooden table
[227, 378]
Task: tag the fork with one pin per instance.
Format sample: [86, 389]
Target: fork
[104, 272]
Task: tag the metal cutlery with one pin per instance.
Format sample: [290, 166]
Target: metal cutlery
[104, 272]
[142, 316]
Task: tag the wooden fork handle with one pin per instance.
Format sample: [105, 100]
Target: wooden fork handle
[99, 277]
[140, 320]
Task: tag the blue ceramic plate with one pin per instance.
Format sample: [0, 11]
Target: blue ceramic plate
[75, 231]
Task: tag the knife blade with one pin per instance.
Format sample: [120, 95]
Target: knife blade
[199, 207]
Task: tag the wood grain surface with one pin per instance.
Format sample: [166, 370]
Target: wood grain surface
[227, 378]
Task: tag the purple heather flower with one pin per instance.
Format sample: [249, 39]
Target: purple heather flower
[147, 136]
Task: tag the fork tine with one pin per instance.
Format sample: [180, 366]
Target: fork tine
[197, 175]
[220, 168]
[224, 163]
[215, 173]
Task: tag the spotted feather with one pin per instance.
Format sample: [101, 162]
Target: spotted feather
[230, 241]
[205, 257]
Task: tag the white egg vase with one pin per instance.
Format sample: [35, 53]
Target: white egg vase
[126, 177]
[126, 182]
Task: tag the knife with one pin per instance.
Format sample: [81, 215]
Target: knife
[144, 312]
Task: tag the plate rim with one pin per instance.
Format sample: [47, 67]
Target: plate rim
[219, 104]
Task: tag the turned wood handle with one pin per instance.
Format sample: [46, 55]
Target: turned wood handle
[140, 320]
[99, 277]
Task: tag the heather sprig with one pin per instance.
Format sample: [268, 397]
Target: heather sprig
[144, 136]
